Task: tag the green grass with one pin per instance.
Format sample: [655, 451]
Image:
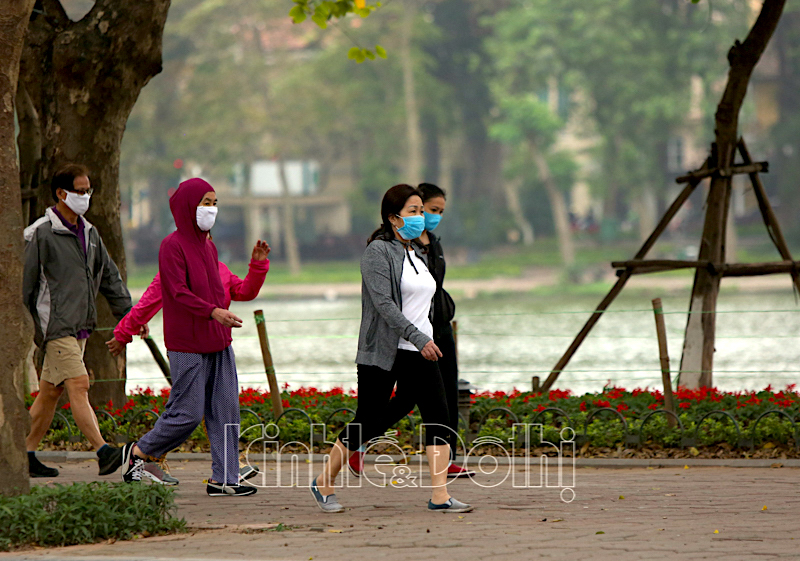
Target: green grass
[87, 512]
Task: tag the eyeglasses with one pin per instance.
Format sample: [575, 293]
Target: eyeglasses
[77, 192]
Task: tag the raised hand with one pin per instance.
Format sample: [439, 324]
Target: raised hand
[261, 251]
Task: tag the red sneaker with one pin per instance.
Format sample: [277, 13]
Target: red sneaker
[356, 463]
[455, 471]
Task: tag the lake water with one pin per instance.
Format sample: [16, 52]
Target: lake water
[505, 340]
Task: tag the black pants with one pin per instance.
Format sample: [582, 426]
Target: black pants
[418, 383]
[448, 367]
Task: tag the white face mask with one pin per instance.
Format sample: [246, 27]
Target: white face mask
[78, 204]
[206, 216]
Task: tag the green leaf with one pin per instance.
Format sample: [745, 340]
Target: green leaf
[353, 53]
[380, 51]
[297, 14]
[369, 54]
[319, 19]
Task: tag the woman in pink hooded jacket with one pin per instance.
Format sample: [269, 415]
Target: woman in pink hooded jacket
[197, 334]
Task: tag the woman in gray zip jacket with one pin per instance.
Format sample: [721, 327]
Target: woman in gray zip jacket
[395, 346]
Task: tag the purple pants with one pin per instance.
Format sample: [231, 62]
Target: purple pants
[203, 385]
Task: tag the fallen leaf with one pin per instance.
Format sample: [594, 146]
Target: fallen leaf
[621, 497]
[694, 451]
[776, 465]
[558, 519]
[685, 467]
[765, 507]
[335, 531]
[544, 519]
[670, 494]
[463, 517]
[716, 531]
[599, 533]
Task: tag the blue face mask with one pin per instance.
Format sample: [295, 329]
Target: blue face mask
[413, 226]
[432, 221]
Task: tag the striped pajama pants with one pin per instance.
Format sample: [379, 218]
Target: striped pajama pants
[203, 385]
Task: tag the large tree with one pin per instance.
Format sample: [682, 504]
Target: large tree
[78, 83]
[697, 361]
[15, 331]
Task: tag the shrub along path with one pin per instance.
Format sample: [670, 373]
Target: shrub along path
[616, 514]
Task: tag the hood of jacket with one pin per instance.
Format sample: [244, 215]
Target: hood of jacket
[183, 204]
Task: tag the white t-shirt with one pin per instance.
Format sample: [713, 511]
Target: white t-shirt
[416, 288]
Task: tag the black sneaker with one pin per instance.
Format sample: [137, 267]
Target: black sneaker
[109, 458]
[132, 467]
[38, 469]
[222, 490]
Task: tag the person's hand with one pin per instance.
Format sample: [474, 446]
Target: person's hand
[115, 347]
[430, 351]
[226, 318]
[261, 251]
[144, 332]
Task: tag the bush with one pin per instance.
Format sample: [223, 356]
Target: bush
[86, 513]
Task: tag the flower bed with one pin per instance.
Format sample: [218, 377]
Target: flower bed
[614, 422]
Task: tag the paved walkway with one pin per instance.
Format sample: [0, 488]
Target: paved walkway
[638, 513]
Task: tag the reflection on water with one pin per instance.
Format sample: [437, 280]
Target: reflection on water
[504, 341]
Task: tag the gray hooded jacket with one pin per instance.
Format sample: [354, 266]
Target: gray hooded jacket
[382, 321]
[60, 286]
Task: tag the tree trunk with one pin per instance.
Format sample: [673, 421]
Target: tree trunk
[647, 212]
[289, 234]
[83, 79]
[15, 326]
[413, 133]
[558, 207]
[511, 188]
[697, 361]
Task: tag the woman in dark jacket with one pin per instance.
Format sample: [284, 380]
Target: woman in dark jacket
[395, 346]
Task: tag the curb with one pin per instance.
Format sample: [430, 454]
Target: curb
[605, 463]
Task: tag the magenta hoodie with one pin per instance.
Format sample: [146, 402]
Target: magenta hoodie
[150, 302]
[190, 282]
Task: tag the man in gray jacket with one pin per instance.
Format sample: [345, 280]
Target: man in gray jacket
[66, 264]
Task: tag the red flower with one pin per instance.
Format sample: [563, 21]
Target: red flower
[684, 405]
[653, 406]
[583, 406]
[65, 406]
[622, 407]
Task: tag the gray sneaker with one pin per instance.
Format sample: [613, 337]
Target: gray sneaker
[152, 471]
[247, 472]
[451, 505]
[327, 504]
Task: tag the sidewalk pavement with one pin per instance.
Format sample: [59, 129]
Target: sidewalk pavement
[637, 513]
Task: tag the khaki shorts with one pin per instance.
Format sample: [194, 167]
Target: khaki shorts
[63, 359]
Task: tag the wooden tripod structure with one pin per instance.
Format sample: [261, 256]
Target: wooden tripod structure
[697, 360]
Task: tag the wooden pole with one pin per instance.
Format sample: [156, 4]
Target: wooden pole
[620, 284]
[274, 390]
[663, 354]
[535, 387]
[159, 358]
[770, 220]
